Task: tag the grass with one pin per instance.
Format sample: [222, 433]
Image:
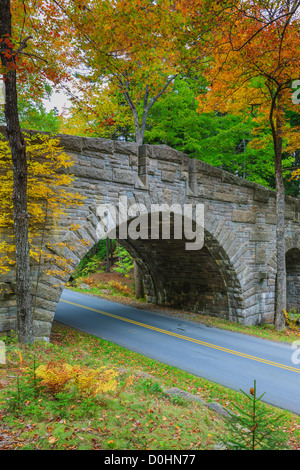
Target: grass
[136, 415]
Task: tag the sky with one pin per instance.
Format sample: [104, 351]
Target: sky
[58, 100]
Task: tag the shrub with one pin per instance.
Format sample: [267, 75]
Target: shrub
[292, 319]
[92, 382]
[55, 376]
[125, 262]
[119, 287]
[59, 376]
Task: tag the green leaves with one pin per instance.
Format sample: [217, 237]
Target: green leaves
[220, 139]
[253, 427]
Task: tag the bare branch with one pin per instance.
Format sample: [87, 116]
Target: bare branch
[23, 45]
[155, 98]
[31, 55]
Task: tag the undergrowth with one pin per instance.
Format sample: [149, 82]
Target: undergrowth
[42, 405]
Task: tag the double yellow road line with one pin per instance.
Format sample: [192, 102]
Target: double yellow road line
[187, 338]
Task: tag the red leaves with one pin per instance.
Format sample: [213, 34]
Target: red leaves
[109, 122]
[7, 48]
[8, 42]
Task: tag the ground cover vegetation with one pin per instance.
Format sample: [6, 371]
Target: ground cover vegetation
[76, 391]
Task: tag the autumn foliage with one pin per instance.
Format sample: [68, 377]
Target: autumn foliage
[49, 196]
[57, 376]
[251, 71]
[39, 49]
[134, 48]
[253, 67]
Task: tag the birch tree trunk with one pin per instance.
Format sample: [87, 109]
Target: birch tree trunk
[18, 152]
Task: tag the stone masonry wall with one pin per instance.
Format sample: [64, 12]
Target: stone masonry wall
[233, 276]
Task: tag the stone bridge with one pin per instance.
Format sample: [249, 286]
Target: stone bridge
[233, 276]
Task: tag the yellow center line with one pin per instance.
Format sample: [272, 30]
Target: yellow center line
[187, 338]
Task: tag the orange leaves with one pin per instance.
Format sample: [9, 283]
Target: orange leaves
[129, 43]
[48, 55]
[253, 62]
[7, 46]
[119, 287]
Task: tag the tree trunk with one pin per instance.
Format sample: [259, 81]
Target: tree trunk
[18, 152]
[140, 132]
[280, 248]
[107, 256]
[111, 252]
[144, 116]
[280, 224]
[143, 127]
[138, 136]
[138, 280]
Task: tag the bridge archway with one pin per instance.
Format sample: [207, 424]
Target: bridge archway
[293, 279]
[203, 281]
[292, 258]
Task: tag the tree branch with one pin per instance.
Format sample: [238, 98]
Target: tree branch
[23, 45]
[161, 92]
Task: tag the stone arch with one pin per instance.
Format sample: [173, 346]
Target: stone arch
[293, 272]
[292, 254]
[228, 252]
[204, 281]
[293, 279]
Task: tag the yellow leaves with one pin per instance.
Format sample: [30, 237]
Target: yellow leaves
[74, 226]
[295, 174]
[57, 376]
[292, 319]
[48, 193]
[45, 163]
[135, 41]
[93, 382]
[130, 380]
[20, 356]
[6, 256]
[119, 287]
[52, 440]
[54, 376]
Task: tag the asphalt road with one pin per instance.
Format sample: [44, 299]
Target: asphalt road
[230, 359]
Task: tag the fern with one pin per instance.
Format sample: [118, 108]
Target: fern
[59, 376]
